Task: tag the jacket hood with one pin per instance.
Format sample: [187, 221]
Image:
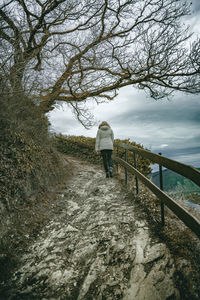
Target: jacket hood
[104, 128]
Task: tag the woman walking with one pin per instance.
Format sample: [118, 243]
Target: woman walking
[104, 144]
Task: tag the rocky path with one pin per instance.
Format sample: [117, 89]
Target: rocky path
[95, 247]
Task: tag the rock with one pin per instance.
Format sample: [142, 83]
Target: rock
[155, 252]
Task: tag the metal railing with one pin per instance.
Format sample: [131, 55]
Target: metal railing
[187, 171]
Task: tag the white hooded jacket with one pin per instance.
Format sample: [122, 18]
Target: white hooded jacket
[104, 139]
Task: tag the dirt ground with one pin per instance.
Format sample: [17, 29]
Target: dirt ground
[96, 244]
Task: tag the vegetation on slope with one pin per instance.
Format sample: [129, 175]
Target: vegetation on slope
[181, 189]
[27, 157]
[30, 169]
[173, 181]
[84, 147]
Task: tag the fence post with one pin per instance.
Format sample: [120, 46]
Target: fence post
[126, 172]
[161, 187]
[136, 179]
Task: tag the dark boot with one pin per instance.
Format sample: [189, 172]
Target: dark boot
[107, 175]
[111, 172]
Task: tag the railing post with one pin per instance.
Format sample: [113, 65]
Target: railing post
[136, 179]
[126, 172]
[161, 187]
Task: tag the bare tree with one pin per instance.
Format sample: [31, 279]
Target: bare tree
[71, 51]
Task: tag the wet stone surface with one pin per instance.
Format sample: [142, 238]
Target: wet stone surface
[95, 247]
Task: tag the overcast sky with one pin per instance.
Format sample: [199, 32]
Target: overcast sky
[168, 126]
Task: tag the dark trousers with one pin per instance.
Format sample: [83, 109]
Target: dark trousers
[107, 160]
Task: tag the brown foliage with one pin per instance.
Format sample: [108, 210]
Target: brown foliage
[84, 147]
[27, 158]
[30, 169]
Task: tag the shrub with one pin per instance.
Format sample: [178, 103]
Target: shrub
[83, 147]
[29, 164]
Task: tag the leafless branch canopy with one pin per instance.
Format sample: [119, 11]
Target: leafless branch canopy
[74, 50]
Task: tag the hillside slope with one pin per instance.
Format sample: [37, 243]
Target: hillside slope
[173, 181]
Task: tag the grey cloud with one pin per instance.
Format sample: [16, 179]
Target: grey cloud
[170, 127]
[182, 151]
[190, 156]
[63, 121]
[196, 5]
[174, 111]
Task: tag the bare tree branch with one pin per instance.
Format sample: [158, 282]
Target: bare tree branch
[75, 50]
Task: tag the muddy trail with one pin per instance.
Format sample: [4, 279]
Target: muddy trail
[96, 246]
